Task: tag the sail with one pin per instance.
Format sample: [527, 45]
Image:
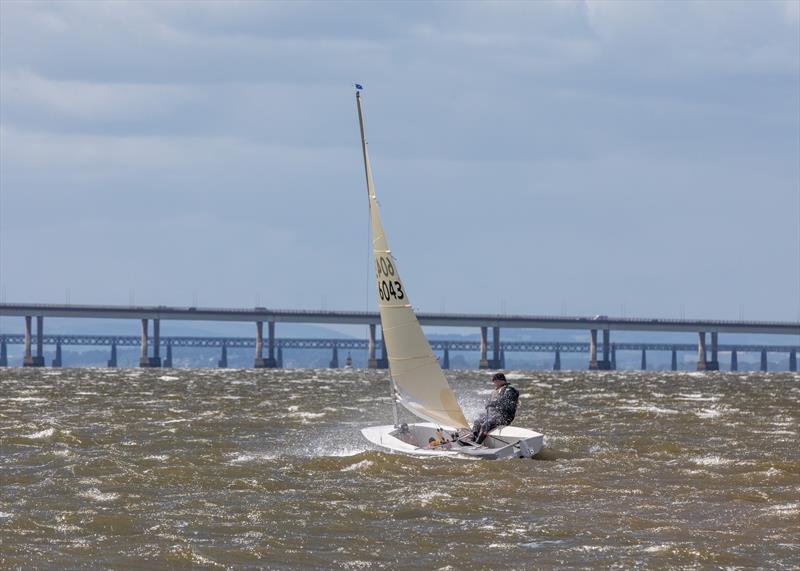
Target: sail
[419, 381]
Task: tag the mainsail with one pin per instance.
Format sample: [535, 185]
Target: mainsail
[418, 379]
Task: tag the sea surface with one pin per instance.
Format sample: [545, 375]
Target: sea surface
[267, 469]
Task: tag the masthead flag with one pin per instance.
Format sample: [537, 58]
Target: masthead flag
[359, 86]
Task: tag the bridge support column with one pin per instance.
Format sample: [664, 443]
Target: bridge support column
[644, 359]
[446, 358]
[483, 363]
[713, 364]
[605, 364]
[279, 360]
[271, 362]
[764, 360]
[144, 359]
[701, 351]
[502, 359]
[383, 362]
[112, 362]
[613, 357]
[593, 350]
[223, 359]
[260, 361]
[168, 358]
[3, 354]
[674, 366]
[334, 364]
[155, 360]
[734, 361]
[372, 362]
[792, 361]
[38, 359]
[57, 360]
[495, 363]
[557, 363]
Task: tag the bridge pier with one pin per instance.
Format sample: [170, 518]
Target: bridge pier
[701, 351]
[112, 362]
[372, 362]
[593, 366]
[557, 363]
[223, 359]
[495, 364]
[334, 364]
[3, 354]
[383, 362]
[502, 359]
[483, 363]
[446, 358]
[613, 357]
[260, 361]
[734, 361]
[34, 360]
[644, 359]
[713, 364]
[57, 360]
[674, 364]
[605, 364]
[764, 360]
[793, 361]
[279, 360]
[145, 360]
[168, 358]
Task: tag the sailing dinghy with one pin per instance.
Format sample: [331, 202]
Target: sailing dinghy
[417, 382]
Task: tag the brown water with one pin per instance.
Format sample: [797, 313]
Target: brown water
[208, 469]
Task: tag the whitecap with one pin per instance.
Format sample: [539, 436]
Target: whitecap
[98, 496]
[656, 548]
[427, 497]
[711, 460]
[784, 509]
[650, 408]
[307, 415]
[696, 397]
[246, 457]
[168, 378]
[358, 466]
[46, 433]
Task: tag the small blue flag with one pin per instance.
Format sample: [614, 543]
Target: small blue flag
[359, 86]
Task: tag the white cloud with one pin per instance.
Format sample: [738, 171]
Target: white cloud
[24, 91]
[688, 38]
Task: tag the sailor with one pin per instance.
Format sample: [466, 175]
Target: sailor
[499, 412]
[436, 440]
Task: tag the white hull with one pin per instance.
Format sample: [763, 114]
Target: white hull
[502, 442]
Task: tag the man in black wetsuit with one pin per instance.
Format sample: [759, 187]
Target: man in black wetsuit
[499, 412]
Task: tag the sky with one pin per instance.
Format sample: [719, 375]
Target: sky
[555, 158]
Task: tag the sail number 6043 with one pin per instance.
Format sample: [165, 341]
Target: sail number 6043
[388, 290]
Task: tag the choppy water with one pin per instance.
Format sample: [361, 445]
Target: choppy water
[267, 469]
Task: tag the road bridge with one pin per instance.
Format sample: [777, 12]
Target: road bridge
[441, 345]
[260, 315]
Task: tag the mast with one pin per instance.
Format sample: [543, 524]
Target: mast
[371, 193]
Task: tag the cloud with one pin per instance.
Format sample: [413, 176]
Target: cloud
[688, 38]
[24, 92]
[546, 137]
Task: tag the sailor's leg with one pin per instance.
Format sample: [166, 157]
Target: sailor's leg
[476, 426]
[488, 425]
